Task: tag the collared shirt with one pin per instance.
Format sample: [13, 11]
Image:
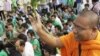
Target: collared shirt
[28, 51]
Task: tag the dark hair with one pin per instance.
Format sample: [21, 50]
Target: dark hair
[9, 25]
[14, 40]
[1, 46]
[31, 32]
[29, 7]
[9, 20]
[87, 5]
[48, 22]
[22, 36]
[70, 20]
[58, 27]
[25, 25]
[53, 15]
[95, 0]
[18, 18]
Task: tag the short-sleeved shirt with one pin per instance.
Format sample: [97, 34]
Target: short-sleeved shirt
[3, 53]
[88, 48]
[71, 3]
[37, 51]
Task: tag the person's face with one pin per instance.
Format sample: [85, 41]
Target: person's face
[52, 10]
[23, 29]
[10, 28]
[72, 13]
[81, 29]
[66, 10]
[28, 8]
[69, 9]
[18, 47]
[20, 22]
[31, 37]
[52, 18]
[49, 24]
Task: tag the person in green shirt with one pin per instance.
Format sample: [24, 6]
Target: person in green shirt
[70, 3]
[14, 4]
[14, 22]
[2, 49]
[73, 15]
[56, 21]
[2, 28]
[35, 43]
[10, 32]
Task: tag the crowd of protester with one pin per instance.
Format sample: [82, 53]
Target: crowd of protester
[17, 36]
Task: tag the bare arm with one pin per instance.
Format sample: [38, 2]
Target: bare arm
[49, 39]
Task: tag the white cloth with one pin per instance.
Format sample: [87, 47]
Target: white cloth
[23, 19]
[1, 5]
[10, 1]
[27, 1]
[28, 51]
[8, 5]
[90, 3]
[59, 21]
[57, 2]
[48, 1]
[58, 55]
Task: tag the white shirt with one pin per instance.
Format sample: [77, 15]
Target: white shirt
[57, 2]
[90, 3]
[59, 21]
[28, 51]
[1, 5]
[9, 1]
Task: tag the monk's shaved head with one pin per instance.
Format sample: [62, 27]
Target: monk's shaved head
[91, 17]
[85, 26]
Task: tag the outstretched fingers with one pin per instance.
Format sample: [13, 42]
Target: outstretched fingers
[38, 18]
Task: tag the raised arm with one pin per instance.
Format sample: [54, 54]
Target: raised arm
[43, 34]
